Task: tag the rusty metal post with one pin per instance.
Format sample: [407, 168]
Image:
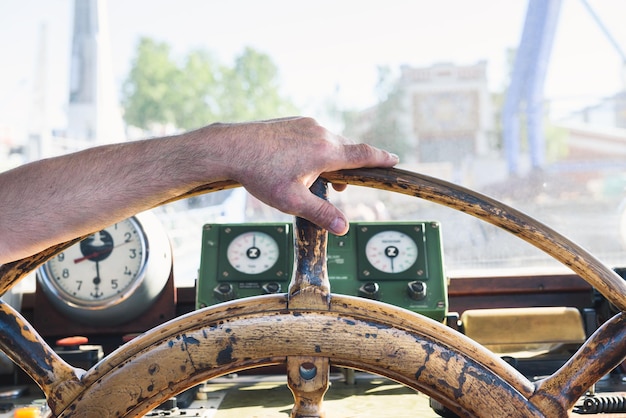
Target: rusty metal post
[308, 377]
[309, 287]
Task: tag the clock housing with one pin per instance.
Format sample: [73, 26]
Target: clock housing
[112, 276]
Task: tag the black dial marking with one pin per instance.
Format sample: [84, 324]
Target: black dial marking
[98, 246]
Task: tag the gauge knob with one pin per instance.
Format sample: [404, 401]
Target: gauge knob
[271, 287]
[224, 292]
[417, 290]
[370, 290]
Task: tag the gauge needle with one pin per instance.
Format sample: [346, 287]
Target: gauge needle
[97, 253]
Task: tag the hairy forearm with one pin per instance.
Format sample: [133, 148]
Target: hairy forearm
[56, 199]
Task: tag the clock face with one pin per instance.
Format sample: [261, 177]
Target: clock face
[112, 276]
[102, 267]
[253, 252]
[391, 251]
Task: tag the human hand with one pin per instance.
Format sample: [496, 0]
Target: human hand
[282, 158]
[277, 161]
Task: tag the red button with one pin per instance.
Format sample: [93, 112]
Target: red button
[72, 341]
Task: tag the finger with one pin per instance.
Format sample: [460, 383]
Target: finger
[322, 213]
[364, 155]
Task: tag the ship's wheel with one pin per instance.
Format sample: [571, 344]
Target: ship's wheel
[309, 329]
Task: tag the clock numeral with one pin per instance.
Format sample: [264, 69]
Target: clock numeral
[79, 284]
[114, 284]
[127, 271]
[133, 253]
[128, 237]
[65, 273]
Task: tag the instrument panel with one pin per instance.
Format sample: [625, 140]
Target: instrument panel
[400, 263]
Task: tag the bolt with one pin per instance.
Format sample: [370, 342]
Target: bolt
[308, 371]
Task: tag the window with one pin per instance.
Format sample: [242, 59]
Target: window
[529, 111]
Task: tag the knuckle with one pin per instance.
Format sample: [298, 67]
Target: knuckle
[358, 152]
[322, 213]
[287, 200]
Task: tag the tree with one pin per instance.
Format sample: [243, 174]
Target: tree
[201, 90]
[251, 89]
[195, 92]
[147, 93]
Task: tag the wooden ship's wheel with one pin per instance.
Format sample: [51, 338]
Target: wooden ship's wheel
[309, 328]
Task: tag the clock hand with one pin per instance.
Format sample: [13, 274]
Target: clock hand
[96, 281]
[97, 253]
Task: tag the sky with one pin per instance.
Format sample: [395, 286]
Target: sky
[327, 49]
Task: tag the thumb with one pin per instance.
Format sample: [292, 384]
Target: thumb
[323, 213]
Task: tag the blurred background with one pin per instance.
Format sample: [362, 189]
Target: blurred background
[523, 100]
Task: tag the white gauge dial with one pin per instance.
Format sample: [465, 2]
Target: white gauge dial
[253, 252]
[391, 251]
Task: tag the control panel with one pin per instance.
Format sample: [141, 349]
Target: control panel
[400, 263]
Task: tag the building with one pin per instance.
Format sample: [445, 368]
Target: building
[449, 112]
[94, 115]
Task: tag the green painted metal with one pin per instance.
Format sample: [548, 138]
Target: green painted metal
[349, 270]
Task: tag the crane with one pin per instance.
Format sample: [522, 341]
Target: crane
[527, 81]
[528, 77]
